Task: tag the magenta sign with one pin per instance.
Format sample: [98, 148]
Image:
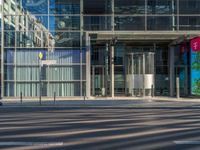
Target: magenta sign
[195, 44]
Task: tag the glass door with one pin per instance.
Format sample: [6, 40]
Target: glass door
[134, 76]
[140, 74]
[98, 81]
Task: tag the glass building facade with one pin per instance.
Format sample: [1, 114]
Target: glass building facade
[101, 47]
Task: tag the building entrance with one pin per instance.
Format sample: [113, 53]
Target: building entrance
[99, 85]
[133, 74]
[139, 73]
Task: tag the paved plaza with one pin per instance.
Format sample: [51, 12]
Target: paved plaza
[142, 126]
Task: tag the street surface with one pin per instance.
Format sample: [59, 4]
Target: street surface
[152, 125]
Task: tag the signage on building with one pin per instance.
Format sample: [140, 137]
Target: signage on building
[195, 44]
[40, 55]
[195, 66]
[48, 62]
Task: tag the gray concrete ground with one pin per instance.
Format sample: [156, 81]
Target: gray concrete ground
[134, 125]
[99, 102]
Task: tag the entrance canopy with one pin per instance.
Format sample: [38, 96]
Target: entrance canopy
[173, 37]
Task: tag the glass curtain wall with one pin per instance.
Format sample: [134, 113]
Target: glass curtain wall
[50, 27]
[139, 15]
[56, 28]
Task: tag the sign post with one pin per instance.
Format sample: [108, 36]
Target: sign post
[40, 69]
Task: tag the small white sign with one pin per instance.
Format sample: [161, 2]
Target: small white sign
[48, 62]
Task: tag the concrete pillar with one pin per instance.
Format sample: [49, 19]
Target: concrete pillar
[88, 66]
[171, 70]
[112, 76]
[106, 69]
[177, 87]
[93, 82]
[143, 68]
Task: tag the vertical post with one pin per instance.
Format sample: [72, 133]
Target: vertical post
[2, 51]
[40, 95]
[88, 66]
[21, 97]
[152, 90]
[173, 16]
[145, 15]
[84, 95]
[177, 18]
[54, 98]
[106, 69]
[112, 72]
[177, 87]
[143, 68]
[103, 81]
[93, 80]
[113, 16]
[82, 86]
[171, 70]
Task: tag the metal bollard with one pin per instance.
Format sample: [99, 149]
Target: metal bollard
[54, 98]
[21, 97]
[40, 99]
[177, 88]
[152, 91]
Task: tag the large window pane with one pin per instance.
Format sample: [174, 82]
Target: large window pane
[30, 22]
[161, 23]
[66, 39]
[9, 55]
[9, 7]
[189, 6]
[34, 6]
[161, 6]
[97, 22]
[64, 23]
[129, 23]
[129, 6]
[65, 56]
[9, 22]
[9, 72]
[64, 7]
[97, 6]
[189, 23]
[9, 39]
[32, 39]
[66, 73]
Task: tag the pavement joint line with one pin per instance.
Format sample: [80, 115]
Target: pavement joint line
[31, 143]
[93, 106]
[187, 142]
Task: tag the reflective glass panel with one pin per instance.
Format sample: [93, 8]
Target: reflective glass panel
[32, 39]
[129, 6]
[64, 22]
[9, 7]
[9, 39]
[161, 23]
[161, 6]
[97, 22]
[30, 22]
[64, 7]
[189, 23]
[66, 39]
[97, 6]
[34, 6]
[9, 22]
[189, 6]
[129, 23]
